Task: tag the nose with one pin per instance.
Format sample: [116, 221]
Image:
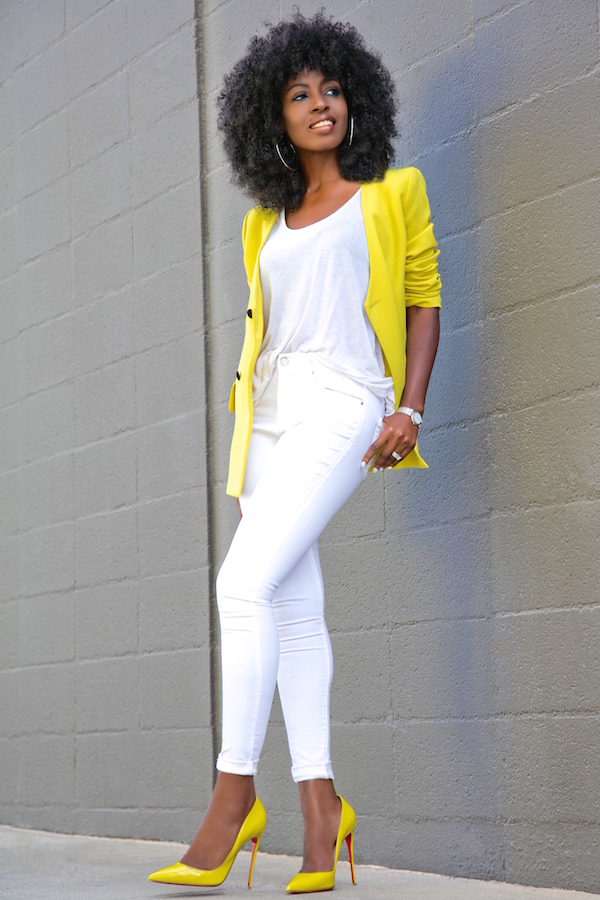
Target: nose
[319, 103]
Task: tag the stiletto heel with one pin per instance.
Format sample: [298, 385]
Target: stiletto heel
[311, 882]
[255, 845]
[252, 829]
[350, 845]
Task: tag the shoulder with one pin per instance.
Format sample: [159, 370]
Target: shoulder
[398, 182]
[256, 221]
[402, 192]
[257, 224]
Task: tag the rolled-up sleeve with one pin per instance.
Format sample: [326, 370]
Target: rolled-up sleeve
[422, 283]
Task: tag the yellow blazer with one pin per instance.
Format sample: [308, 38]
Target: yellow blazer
[403, 261]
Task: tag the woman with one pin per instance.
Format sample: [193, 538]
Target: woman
[341, 335]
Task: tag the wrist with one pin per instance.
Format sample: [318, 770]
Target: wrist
[413, 402]
[415, 415]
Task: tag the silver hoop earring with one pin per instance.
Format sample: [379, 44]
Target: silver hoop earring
[280, 155]
[351, 131]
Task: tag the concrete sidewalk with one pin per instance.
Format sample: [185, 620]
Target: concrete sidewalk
[38, 865]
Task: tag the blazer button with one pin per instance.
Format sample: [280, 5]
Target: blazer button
[249, 313]
[238, 376]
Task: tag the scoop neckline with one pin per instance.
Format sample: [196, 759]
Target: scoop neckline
[324, 219]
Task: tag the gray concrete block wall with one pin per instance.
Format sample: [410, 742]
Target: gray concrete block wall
[462, 601]
[104, 604]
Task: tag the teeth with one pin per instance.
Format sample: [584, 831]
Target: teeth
[322, 124]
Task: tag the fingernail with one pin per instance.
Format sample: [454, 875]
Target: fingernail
[375, 469]
[363, 464]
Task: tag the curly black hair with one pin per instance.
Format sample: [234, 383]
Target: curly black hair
[250, 106]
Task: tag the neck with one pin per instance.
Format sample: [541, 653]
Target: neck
[319, 169]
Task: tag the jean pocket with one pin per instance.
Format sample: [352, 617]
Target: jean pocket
[339, 383]
[336, 391]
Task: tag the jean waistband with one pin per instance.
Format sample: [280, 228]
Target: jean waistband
[313, 365]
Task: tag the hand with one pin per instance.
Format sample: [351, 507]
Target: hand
[397, 435]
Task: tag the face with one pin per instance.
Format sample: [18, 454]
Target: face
[314, 112]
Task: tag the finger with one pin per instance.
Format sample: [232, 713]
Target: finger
[374, 448]
[371, 452]
[387, 459]
[380, 450]
[368, 457]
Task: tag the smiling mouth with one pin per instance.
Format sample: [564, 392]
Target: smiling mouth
[323, 125]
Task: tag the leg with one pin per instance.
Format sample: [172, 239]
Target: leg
[233, 794]
[321, 810]
[229, 805]
[312, 470]
[305, 668]
[304, 681]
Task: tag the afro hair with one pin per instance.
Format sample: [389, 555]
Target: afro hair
[250, 106]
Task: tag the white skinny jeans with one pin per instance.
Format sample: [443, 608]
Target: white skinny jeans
[311, 428]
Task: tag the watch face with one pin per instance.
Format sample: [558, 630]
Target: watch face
[417, 418]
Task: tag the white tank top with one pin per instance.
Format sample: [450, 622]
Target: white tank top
[314, 284]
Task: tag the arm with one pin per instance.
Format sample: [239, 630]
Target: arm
[398, 433]
[422, 335]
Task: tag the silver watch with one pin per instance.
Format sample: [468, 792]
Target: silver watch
[415, 417]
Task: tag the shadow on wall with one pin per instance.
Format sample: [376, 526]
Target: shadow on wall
[504, 521]
[538, 203]
[513, 450]
[449, 788]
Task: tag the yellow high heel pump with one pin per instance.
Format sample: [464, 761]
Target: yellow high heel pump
[311, 882]
[252, 829]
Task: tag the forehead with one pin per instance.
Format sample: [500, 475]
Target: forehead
[309, 76]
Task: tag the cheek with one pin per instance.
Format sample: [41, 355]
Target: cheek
[342, 111]
[286, 116]
[290, 119]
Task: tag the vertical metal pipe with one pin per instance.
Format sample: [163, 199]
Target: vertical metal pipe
[212, 601]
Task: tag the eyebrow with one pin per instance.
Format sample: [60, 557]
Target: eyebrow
[304, 84]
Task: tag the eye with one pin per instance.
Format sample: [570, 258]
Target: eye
[334, 91]
[300, 96]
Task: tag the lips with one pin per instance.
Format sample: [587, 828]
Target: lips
[323, 125]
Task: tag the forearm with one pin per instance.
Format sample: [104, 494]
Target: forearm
[422, 336]
[398, 434]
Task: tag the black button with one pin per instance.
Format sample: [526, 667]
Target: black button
[238, 376]
[249, 313]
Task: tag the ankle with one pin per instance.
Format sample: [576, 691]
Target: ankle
[318, 798]
[232, 798]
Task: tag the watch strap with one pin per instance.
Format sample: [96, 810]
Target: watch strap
[409, 411]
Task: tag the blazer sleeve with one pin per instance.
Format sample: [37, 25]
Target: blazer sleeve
[247, 223]
[422, 282]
